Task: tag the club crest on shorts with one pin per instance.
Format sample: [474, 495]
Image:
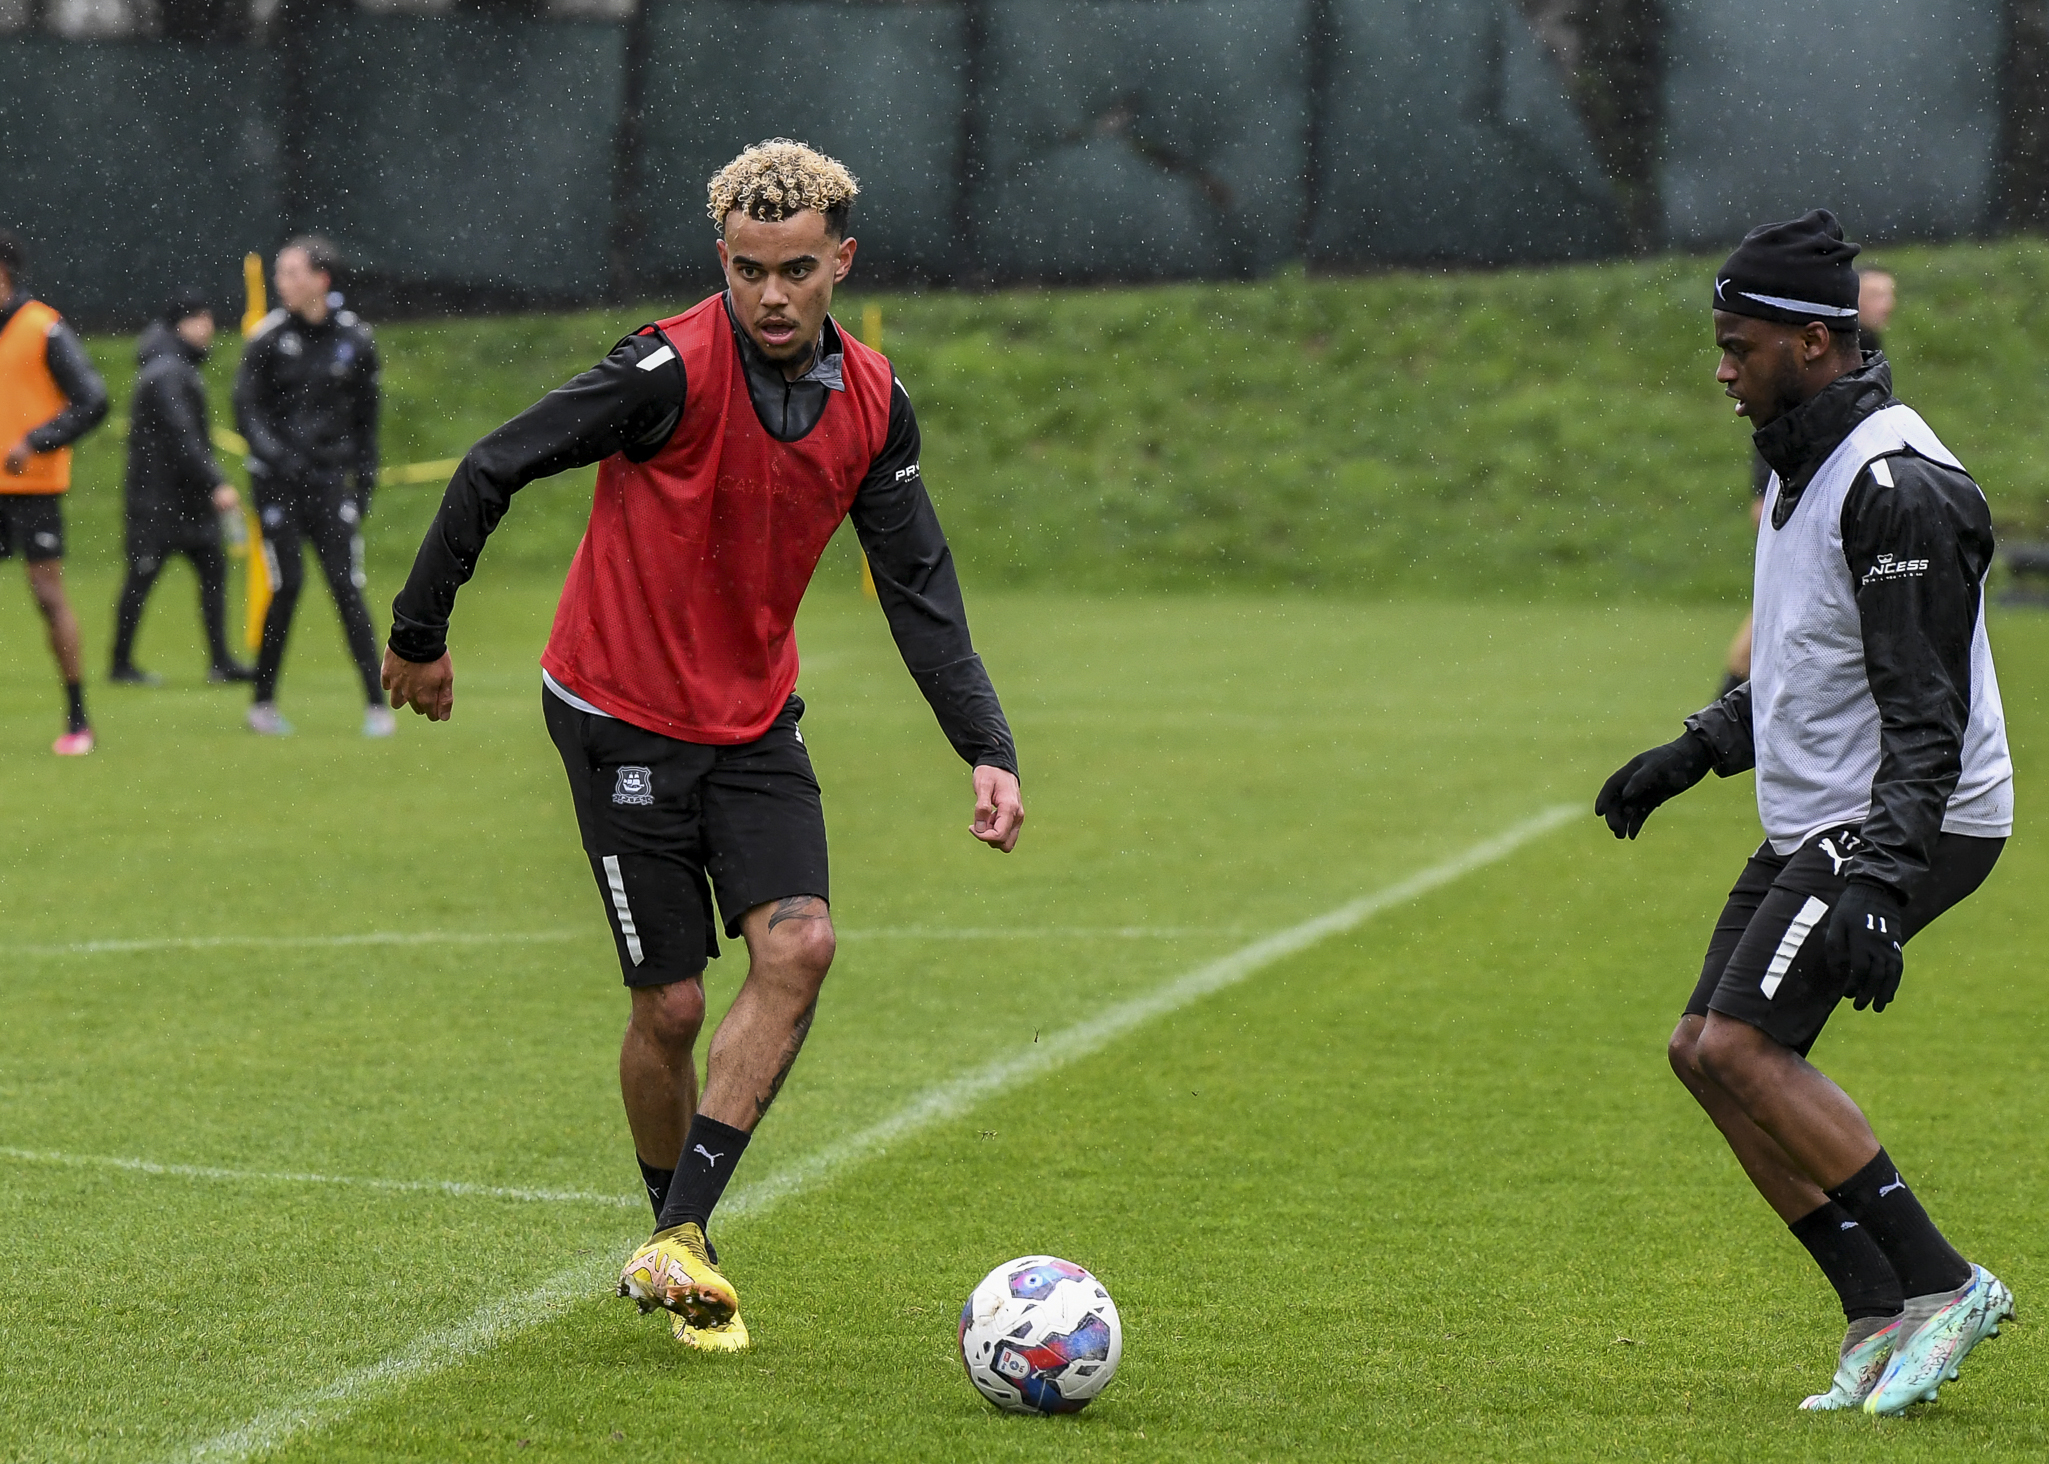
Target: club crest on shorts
[635, 785]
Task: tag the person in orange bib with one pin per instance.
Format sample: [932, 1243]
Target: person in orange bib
[49, 398]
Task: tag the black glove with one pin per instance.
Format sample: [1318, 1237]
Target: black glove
[1649, 778]
[1862, 947]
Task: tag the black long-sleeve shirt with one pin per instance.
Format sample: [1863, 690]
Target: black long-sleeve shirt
[630, 403]
[85, 395]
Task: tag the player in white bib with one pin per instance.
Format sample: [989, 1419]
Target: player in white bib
[1873, 721]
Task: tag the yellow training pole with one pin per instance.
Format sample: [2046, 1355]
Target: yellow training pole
[871, 335]
[255, 306]
[257, 582]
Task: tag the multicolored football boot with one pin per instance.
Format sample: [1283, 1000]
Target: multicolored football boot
[1859, 1366]
[1928, 1356]
[731, 1337]
[673, 1270]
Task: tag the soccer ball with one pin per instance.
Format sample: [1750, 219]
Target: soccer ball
[1040, 1335]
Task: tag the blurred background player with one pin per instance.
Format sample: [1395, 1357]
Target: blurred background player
[175, 490]
[732, 441]
[50, 396]
[1875, 292]
[306, 399]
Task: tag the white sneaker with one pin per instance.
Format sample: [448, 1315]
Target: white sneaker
[1928, 1355]
[379, 722]
[1859, 1365]
[265, 719]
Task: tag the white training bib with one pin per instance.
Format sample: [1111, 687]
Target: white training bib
[1813, 719]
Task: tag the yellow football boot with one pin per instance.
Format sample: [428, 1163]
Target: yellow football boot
[732, 1337]
[672, 1270]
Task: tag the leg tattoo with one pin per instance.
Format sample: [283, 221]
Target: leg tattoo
[796, 907]
[796, 1045]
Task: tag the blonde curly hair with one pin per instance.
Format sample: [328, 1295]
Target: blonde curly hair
[777, 178]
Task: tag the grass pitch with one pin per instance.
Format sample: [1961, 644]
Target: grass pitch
[1424, 1191]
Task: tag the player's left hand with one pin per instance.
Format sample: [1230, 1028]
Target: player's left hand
[427, 687]
[17, 458]
[1862, 947]
[999, 810]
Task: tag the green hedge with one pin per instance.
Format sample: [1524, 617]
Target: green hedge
[1533, 432]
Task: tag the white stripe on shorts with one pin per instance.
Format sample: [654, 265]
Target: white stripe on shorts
[1789, 946]
[618, 883]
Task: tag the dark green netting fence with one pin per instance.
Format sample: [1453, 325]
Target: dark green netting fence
[478, 157]
[1885, 110]
[467, 151]
[883, 89]
[1447, 136]
[1131, 139]
[133, 171]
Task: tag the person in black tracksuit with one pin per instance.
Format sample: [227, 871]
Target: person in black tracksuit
[175, 489]
[306, 398]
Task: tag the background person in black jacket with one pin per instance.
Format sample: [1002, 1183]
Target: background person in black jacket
[175, 490]
[306, 398]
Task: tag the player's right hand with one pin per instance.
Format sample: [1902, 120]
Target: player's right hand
[999, 808]
[1648, 779]
[428, 687]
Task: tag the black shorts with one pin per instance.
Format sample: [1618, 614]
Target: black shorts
[1764, 962]
[658, 816]
[32, 525]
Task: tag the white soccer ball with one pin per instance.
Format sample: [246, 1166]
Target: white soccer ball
[1040, 1335]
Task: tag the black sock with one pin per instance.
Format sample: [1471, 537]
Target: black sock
[74, 711]
[709, 1153]
[657, 1182]
[1879, 1200]
[1850, 1258]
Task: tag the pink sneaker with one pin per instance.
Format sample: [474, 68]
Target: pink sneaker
[73, 744]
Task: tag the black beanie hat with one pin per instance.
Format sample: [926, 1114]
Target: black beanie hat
[1794, 272]
[185, 305]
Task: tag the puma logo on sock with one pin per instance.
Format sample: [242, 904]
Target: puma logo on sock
[713, 1159]
[1897, 1183]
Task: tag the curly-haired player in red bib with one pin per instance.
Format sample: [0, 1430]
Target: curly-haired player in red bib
[732, 440]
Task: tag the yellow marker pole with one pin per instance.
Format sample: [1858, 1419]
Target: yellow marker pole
[257, 578]
[255, 306]
[258, 583]
[871, 336]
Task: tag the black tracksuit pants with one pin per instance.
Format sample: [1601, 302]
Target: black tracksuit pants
[212, 568]
[326, 519]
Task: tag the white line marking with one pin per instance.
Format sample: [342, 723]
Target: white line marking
[500, 1320]
[146, 944]
[369, 938]
[262, 1176]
